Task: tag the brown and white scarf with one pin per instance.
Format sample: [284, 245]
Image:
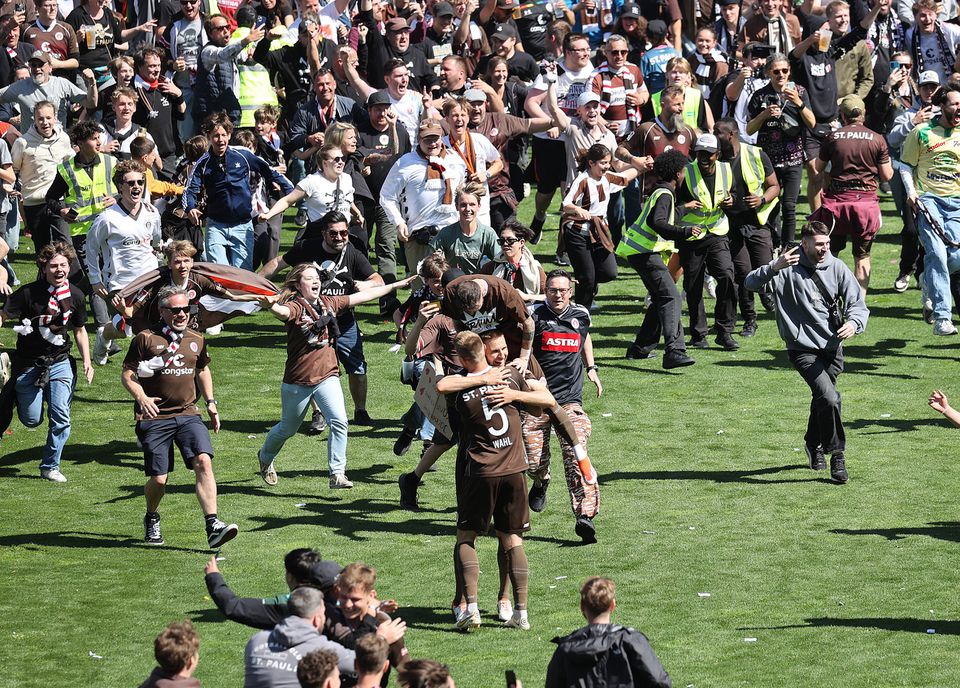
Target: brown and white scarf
[53, 323]
[607, 75]
[319, 329]
[150, 367]
[436, 169]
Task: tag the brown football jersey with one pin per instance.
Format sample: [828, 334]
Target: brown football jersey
[491, 437]
[175, 385]
[502, 308]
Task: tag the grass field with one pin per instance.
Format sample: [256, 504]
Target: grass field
[704, 490]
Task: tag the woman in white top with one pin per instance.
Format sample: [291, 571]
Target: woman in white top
[330, 188]
[516, 264]
[583, 221]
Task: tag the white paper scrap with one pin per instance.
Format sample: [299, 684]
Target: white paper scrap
[749, 640]
[606, 415]
[560, 578]
[884, 415]
[300, 505]
[94, 655]
[395, 348]
[703, 594]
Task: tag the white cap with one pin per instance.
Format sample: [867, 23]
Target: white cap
[707, 143]
[587, 97]
[928, 77]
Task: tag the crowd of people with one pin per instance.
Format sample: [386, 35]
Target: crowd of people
[150, 150]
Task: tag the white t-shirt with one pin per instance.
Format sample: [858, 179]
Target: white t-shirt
[570, 84]
[323, 195]
[409, 111]
[123, 245]
[485, 154]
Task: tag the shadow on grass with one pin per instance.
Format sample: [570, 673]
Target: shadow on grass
[754, 476]
[942, 627]
[852, 363]
[429, 618]
[948, 531]
[890, 425]
[213, 615]
[113, 453]
[84, 540]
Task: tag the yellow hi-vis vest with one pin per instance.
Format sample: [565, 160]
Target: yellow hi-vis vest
[711, 216]
[751, 167]
[640, 237]
[256, 89]
[691, 105]
[85, 195]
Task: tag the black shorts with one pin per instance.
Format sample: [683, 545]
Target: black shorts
[550, 163]
[502, 499]
[158, 436]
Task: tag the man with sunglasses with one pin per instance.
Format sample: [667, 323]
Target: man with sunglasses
[120, 244]
[218, 80]
[162, 371]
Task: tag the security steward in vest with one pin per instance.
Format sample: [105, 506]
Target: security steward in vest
[82, 189]
[705, 196]
[756, 202]
[256, 88]
[645, 244]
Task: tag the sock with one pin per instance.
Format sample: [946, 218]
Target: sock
[472, 607]
[470, 569]
[519, 572]
[503, 567]
[210, 519]
[521, 614]
[153, 514]
[458, 597]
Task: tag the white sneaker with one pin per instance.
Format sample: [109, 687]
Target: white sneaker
[504, 610]
[6, 369]
[339, 481]
[467, 621]
[113, 347]
[54, 475]
[710, 284]
[214, 331]
[944, 327]
[901, 284]
[100, 352]
[518, 620]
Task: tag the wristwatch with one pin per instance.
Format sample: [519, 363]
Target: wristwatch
[212, 401]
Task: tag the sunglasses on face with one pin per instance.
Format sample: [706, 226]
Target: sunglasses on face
[177, 310]
[779, 71]
[221, 27]
[507, 241]
[134, 182]
[339, 158]
[334, 234]
[618, 52]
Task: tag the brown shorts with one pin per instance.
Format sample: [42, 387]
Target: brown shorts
[502, 499]
[853, 214]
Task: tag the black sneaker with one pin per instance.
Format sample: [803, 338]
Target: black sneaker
[402, 445]
[815, 457]
[727, 342]
[408, 491]
[151, 530]
[536, 226]
[362, 418]
[562, 259]
[301, 218]
[699, 343]
[317, 423]
[219, 532]
[586, 530]
[838, 469]
[749, 328]
[538, 496]
[676, 360]
[638, 353]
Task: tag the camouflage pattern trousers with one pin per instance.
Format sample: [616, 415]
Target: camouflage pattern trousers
[584, 498]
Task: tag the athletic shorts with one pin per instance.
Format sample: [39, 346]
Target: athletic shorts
[853, 214]
[550, 163]
[502, 499]
[158, 437]
[350, 350]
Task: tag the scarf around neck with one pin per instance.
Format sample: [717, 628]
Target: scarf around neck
[150, 367]
[437, 170]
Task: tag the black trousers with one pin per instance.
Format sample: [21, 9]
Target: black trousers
[750, 248]
[710, 253]
[663, 316]
[44, 226]
[266, 240]
[819, 369]
[592, 264]
[500, 212]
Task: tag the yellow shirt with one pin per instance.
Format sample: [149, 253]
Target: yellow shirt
[935, 154]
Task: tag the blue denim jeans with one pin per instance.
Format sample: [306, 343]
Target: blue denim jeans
[414, 419]
[230, 244]
[295, 400]
[940, 261]
[57, 394]
[11, 234]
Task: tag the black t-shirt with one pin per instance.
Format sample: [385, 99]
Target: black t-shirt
[157, 111]
[30, 301]
[781, 138]
[339, 271]
[816, 71]
[105, 32]
[373, 142]
[521, 65]
[557, 343]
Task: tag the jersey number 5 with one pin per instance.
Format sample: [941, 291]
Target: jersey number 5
[489, 414]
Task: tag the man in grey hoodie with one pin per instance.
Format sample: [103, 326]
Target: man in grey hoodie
[271, 657]
[806, 281]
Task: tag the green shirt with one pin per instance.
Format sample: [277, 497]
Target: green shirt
[466, 253]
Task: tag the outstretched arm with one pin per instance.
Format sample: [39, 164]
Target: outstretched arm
[939, 403]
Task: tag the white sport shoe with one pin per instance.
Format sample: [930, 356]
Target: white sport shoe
[6, 369]
[901, 284]
[504, 610]
[214, 331]
[53, 475]
[944, 327]
[101, 353]
[467, 621]
[339, 481]
[518, 620]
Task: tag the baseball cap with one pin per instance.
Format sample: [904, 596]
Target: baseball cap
[474, 95]
[378, 98]
[706, 143]
[324, 574]
[507, 4]
[587, 97]
[504, 31]
[630, 10]
[852, 106]
[398, 24]
[430, 127]
[41, 55]
[657, 27]
[928, 77]
[443, 9]
[728, 2]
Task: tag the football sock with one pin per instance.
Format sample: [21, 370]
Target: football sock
[519, 572]
[470, 567]
[503, 566]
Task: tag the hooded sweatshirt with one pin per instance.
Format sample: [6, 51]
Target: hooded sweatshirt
[161, 679]
[271, 657]
[802, 315]
[605, 655]
[35, 161]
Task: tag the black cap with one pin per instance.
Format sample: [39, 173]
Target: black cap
[758, 49]
[450, 275]
[324, 574]
[722, 3]
[657, 27]
[379, 98]
[504, 31]
[631, 10]
[443, 9]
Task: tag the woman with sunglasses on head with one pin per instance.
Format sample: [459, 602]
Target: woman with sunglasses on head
[516, 264]
[312, 370]
[329, 188]
[584, 221]
[343, 135]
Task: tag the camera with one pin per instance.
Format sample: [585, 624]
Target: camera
[425, 234]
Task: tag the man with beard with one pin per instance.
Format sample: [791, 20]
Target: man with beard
[504, 42]
[43, 86]
[162, 371]
[46, 311]
[806, 283]
[344, 270]
[756, 193]
[394, 44]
